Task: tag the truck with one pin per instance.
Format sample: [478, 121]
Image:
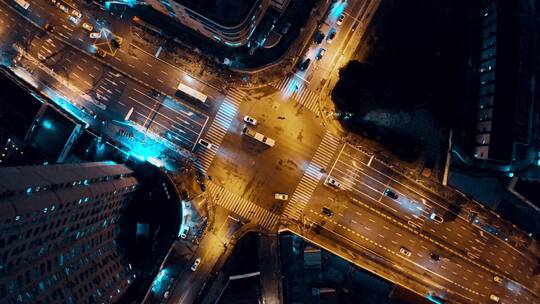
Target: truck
[258, 136]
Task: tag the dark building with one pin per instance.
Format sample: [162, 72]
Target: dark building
[58, 228]
[505, 130]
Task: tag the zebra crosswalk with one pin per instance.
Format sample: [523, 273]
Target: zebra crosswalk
[218, 128]
[242, 207]
[311, 177]
[294, 88]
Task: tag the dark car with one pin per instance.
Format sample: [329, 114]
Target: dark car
[327, 211]
[304, 64]
[319, 37]
[391, 194]
[435, 257]
[49, 27]
[285, 28]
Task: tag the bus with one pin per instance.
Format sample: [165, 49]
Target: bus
[23, 4]
[191, 93]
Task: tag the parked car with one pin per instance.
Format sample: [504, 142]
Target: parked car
[73, 19]
[331, 35]
[95, 35]
[76, 13]
[281, 196]
[63, 8]
[195, 264]
[319, 37]
[304, 64]
[340, 20]
[250, 120]
[205, 143]
[391, 194]
[184, 232]
[285, 28]
[405, 251]
[320, 54]
[87, 26]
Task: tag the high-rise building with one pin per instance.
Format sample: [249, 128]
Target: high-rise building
[507, 65]
[58, 229]
[230, 22]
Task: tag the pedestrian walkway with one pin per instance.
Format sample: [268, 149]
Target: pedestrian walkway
[218, 128]
[242, 207]
[311, 177]
[302, 95]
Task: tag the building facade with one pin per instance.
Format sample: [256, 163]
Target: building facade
[506, 69]
[229, 22]
[58, 225]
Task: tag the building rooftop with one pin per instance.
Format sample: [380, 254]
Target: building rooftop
[223, 12]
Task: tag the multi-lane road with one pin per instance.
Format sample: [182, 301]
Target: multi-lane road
[245, 174]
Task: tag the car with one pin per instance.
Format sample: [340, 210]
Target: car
[498, 279]
[73, 19]
[494, 298]
[166, 294]
[196, 264]
[116, 42]
[435, 256]
[281, 196]
[304, 65]
[184, 232]
[285, 28]
[250, 120]
[391, 194]
[100, 53]
[327, 211]
[436, 218]
[405, 251]
[87, 26]
[331, 35]
[76, 13]
[414, 225]
[319, 37]
[49, 27]
[320, 54]
[340, 20]
[63, 8]
[205, 143]
[95, 35]
[53, 2]
[355, 25]
[330, 181]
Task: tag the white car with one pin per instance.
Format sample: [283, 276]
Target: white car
[205, 144]
[494, 298]
[63, 8]
[281, 196]
[250, 120]
[73, 19]
[436, 218]
[95, 35]
[340, 20]
[87, 26]
[184, 232]
[405, 251]
[195, 264]
[330, 181]
[76, 13]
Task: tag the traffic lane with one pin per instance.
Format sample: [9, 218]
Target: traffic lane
[480, 246]
[190, 283]
[377, 244]
[420, 248]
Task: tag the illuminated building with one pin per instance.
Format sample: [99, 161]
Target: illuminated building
[58, 228]
[230, 22]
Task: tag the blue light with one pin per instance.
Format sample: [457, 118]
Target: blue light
[29, 190]
[510, 174]
[47, 124]
[432, 299]
[17, 218]
[337, 10]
